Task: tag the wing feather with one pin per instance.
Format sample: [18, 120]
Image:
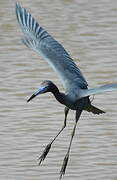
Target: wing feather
[98, 90]
[53, 52]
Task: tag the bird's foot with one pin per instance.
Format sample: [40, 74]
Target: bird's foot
[64, 165]
[44, 154]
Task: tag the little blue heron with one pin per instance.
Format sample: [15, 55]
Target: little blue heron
[76, 96]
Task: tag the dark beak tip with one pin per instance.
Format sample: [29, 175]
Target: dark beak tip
[28, 100]
[31, 97]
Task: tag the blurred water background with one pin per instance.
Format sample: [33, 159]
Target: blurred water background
[88, 30]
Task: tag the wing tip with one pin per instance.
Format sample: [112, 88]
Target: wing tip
[18, 11]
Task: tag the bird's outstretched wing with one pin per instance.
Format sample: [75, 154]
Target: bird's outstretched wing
[98, 90]
[40, 41]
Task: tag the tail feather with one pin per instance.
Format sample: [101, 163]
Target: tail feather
[94, 110]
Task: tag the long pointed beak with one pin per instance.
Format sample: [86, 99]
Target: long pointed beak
[31, 97]
[40, 90]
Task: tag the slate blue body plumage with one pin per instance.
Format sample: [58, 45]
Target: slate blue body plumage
[76, 96]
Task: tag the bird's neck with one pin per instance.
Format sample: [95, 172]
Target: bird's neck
[58, 95]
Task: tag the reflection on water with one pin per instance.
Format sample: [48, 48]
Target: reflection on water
[88, 29]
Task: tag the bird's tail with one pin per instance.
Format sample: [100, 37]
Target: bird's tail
[94, 110]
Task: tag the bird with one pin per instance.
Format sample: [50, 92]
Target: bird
[77, 94]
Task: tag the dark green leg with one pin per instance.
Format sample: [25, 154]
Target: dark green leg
[47, 148]
[65, 161]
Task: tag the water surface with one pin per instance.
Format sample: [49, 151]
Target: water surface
[88, 30]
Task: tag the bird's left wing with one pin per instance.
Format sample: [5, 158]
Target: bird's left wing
[98, 90]
[40, 41]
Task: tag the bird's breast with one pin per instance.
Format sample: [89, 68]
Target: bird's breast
[78, 103]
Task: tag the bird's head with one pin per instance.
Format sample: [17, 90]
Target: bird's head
[46, 86]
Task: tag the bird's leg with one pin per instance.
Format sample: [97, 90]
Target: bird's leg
[47, 148]
[65, 161]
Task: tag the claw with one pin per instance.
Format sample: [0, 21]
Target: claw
[44, 154]
[64, 165]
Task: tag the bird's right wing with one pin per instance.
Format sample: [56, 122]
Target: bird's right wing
[98, 90]
[40, 41]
